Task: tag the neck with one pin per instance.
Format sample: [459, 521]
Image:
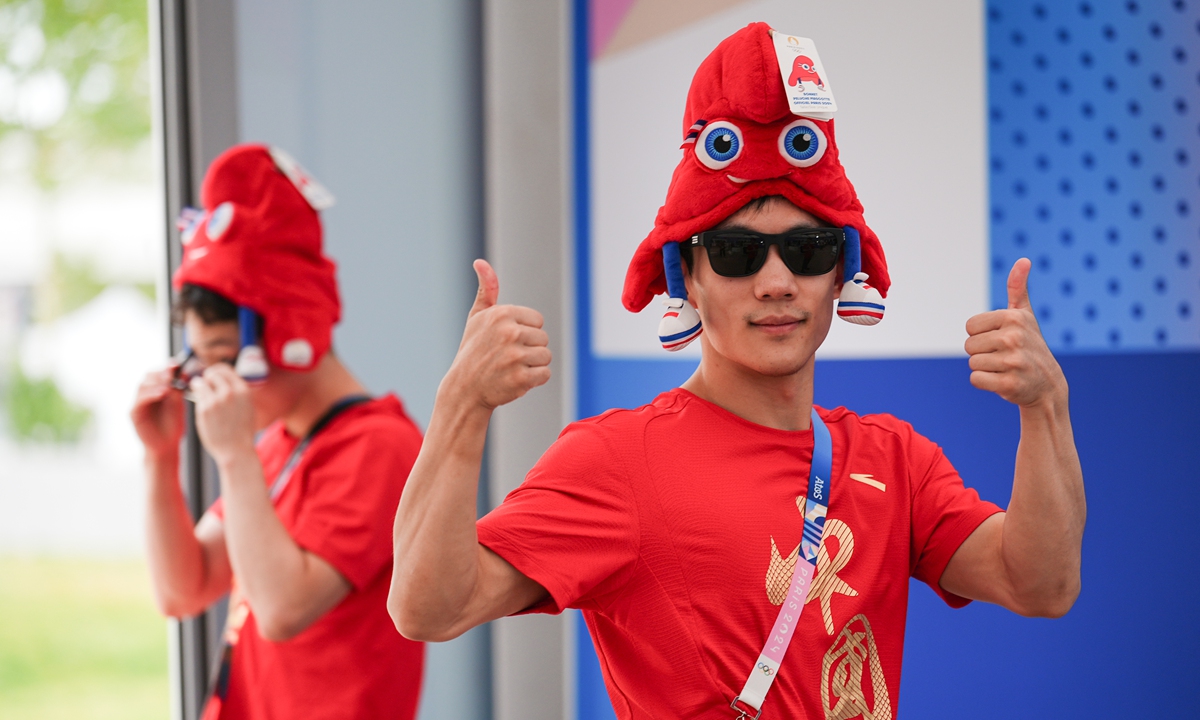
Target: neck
[782, 402]
[325, 385]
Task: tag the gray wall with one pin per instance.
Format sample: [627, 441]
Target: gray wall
[385, 104]
[382, 102]
[527, 201]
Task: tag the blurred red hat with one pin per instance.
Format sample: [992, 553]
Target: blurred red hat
[735, 126]
[258, 243]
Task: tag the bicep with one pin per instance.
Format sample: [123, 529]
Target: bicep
[977, 570]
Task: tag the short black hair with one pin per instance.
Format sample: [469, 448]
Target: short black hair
[759, 204]
[211, 307]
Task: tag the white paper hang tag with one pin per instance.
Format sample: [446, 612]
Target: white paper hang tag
[314, 192]
[805, 82]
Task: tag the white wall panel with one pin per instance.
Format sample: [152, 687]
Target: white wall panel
[912, 136]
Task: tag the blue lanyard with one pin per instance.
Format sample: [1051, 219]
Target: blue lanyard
[820, 477]
[749, 701]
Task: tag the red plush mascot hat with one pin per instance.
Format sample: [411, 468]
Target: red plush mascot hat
[259, 245]
[742, 142]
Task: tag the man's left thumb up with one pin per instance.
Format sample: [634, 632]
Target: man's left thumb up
[1018, 285]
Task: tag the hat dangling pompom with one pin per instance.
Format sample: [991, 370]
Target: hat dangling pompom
[251, 363]
[859, 303]
[680, 324]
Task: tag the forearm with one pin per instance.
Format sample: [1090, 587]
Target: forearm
[176, 558]
[272, 571]
[1043, 529]
[436, 548]
[443, 581]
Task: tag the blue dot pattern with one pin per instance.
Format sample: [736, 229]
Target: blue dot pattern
[1094, 143]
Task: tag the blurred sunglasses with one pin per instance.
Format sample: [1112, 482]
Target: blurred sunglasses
[741, 253]
[188, 366]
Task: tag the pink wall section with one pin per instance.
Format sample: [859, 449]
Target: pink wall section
[605, 18]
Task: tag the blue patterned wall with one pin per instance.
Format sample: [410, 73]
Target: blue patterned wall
[1095, 168]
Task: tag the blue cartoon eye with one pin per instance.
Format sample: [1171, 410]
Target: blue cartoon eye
[719, 144]
[802, 143]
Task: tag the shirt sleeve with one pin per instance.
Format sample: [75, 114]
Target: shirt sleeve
[944, 514]
[572, 526]
[352, 488]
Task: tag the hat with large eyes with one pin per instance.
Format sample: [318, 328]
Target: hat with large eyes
[258, 243]
[741, 142]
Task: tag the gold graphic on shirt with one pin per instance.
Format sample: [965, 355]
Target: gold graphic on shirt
[827, 583]
[843, 695]
[779, 573]
[869, 480]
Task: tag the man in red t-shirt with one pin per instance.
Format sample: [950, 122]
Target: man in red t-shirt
[300, 534]
[677, 527]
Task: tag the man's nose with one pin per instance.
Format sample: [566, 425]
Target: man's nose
[774, 280]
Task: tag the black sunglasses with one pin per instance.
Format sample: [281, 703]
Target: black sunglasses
[188, 366]
[740, 253]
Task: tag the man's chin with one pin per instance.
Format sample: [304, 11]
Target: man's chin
[781, 369]
[777, 364]
[767, 357]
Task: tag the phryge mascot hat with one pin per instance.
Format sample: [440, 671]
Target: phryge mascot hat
[258, 243]
[742, 141]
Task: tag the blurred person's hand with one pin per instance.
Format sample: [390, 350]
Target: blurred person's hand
[224, 413]
[158, 413]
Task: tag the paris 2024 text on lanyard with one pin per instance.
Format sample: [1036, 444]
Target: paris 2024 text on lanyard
[816, 506]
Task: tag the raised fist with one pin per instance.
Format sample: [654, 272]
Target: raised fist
[224, 413]
[158, 413]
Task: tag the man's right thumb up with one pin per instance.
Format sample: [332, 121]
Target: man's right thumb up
[489, 287]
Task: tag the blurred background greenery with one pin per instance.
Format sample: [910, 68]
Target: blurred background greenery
[75, 82]
[80, 639]
[38, 411]
[79, 259]
[74, 109]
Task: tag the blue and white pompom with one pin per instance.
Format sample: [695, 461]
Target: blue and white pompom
[859, 302]
[680, 324]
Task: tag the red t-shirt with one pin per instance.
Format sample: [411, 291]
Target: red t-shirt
[674, 528]
[339, 504]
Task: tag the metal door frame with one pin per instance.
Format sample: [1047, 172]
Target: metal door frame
[196, 111]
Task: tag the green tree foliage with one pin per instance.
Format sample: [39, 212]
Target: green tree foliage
[70, 284]
[38, 411]
[74, 81]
